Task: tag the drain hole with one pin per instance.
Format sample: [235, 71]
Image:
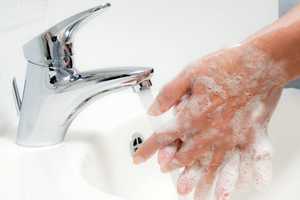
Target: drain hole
[139, 140]
[136, 142]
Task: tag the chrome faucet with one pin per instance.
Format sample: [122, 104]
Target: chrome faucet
[55, 91]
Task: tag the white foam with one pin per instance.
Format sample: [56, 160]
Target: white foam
[245, 170]
[263, 153]
[189, 178]
[206, 158]
[197, 104]
[228, 176]
[166, 154]
[211, 85]
[233, 83]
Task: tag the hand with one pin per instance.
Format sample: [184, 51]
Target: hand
[222, 102]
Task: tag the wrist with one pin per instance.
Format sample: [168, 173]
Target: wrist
[260, 67]
[283, 48]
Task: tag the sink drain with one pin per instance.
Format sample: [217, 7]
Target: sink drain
[136, 141]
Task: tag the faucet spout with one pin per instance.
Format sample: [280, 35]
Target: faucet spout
[108, 78]
[97, 83]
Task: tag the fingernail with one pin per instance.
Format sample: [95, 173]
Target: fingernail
[138, 160]
[154, 109]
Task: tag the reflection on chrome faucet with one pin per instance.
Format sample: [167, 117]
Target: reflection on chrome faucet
[55, 91]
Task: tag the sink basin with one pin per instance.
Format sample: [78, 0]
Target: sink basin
[95, 160]
[109, 166]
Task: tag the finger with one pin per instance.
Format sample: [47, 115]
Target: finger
[181, 104]
[262, 160]
[246, 169]
[194, 147]
[228, 177]
[204, 159]
[205, 183]
[171, 93]
[166, 155]
[155, 142]
[189, 178]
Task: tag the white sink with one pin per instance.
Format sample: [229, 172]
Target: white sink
[95, 162]
[90, 164]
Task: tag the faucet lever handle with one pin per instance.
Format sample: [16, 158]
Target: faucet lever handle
[66, 28]
[53, 48]
[17, 99]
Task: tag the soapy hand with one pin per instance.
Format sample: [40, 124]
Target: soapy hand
[239, 169]
[223, 104]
